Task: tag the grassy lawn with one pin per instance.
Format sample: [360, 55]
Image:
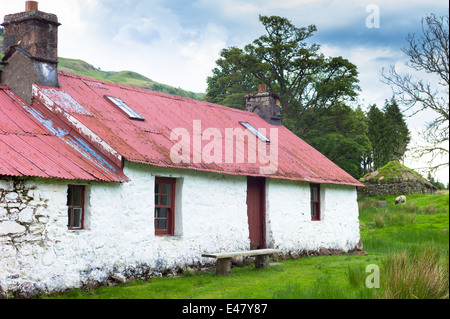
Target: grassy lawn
[407, 242]
[286, 280]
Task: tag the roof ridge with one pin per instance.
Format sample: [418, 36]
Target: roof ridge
[155, 93]
[126, 87]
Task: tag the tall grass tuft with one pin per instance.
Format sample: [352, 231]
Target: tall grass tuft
[390, 217]
[422, 274]
[356, 276]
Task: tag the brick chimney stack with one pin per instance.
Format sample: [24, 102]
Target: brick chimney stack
[265, 104]
[31, 50]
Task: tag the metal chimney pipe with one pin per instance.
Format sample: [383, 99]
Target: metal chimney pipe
[31, 5]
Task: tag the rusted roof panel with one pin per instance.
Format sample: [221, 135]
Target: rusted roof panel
[34, 142]
[149, 141]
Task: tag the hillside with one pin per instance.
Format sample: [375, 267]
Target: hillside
[80, 67]
[124, 77]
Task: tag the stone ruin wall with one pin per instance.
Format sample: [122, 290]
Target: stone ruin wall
[396, 187]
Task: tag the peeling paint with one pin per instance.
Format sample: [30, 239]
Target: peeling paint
[34, 143]
[59, 132]
[81, 146]
[65, 101]
[46, 97]
[88, 152]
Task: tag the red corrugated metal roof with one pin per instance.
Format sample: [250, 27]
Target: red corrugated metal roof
[81, 100]
[34, 142]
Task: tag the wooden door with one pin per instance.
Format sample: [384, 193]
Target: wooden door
[256, 211]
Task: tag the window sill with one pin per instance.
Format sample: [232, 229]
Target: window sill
[72, 230]
[167, 236]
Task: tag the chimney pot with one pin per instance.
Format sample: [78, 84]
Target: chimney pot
[261, 88]
[31, 5]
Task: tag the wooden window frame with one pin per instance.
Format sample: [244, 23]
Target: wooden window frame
[316, 203]
[71, 206]
[171, 208]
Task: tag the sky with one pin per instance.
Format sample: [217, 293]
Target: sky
[177, 42]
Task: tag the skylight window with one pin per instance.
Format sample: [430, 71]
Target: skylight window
[255, 131]
[124, 107]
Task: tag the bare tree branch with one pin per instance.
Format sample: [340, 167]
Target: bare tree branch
[428, 54]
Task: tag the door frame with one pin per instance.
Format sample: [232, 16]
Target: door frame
[261, 182]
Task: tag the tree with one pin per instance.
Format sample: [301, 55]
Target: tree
[376, 136]
[435, 182]
[388, 133]
[288, 66]
[396, 131]
[314, 90]
[427, 54]
[341, 135]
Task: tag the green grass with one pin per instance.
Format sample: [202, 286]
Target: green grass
[406, 242]
[289, 280]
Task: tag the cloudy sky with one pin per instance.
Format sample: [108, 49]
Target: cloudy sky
[177, 42]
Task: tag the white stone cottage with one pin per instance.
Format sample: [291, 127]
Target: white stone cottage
[102, 180]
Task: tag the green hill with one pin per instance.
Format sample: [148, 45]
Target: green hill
[131, 78]
[80, 67]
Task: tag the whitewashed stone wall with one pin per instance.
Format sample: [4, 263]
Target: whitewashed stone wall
[38, 254]
[288, 217]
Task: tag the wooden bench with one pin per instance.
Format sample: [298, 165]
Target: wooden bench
[223, 265]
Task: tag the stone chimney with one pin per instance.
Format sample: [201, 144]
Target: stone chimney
[265, 104]
[31, 50]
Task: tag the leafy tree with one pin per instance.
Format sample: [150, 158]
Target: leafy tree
[427, 54]
[341, 135]
[388, 133]
[314, 90]
[376, 136]
[288, 66]
[396, 131]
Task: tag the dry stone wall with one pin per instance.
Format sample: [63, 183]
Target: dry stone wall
[395, 187]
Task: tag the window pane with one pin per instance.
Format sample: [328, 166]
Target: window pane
[77, 196]
[165, 200]
[76, 218]
[255, 131]
[162, 212]
[166, 189]
[314, 193]
[124, 107]
[156, 188]
[161, 224]
[313, 209]
[69, 217]
[156, 199]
